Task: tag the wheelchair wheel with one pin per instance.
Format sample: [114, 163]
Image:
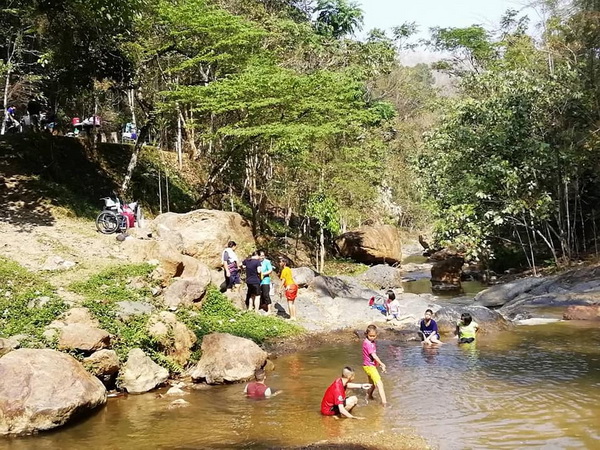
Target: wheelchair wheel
[123, 223]
[108, 222]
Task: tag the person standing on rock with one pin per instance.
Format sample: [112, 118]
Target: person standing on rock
[252, 266]
[230, 266]
[266, 268]
[288, 287]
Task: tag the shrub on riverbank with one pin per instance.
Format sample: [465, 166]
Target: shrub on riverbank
[27, 304]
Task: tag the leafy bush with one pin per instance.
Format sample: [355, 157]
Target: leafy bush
[20, 293]
[219, 315]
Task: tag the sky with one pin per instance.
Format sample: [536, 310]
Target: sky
[386, 14]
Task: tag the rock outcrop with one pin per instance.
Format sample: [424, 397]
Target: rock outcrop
[227, 359]
[501, 294]
[303, 276]
[204, 233]
[185, 292]
[588, 312]
[446, 272]
[141, 374]
[372, 245]
[103, 363]
[383, 277]
[488, 319]
[44, 389]
[174, 337]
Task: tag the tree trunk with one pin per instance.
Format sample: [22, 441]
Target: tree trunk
[134, 156]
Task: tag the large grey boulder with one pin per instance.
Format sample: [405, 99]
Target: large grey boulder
[372, 244]
[185, 292]
[141, 374]
[501, 294]
[44, 389]
[488, 320]
[205, 232]
[383, 276]
[227, 359]
[303, 276]
[341, 286]
[547, 305]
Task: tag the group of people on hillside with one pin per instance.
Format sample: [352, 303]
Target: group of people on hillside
[259, 269]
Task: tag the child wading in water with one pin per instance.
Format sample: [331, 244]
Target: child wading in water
[371, 361]
[466, 328]
[428, 329]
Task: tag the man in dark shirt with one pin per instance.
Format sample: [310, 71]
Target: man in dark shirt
[252, 266]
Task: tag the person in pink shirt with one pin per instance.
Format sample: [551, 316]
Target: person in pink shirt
[371, 361]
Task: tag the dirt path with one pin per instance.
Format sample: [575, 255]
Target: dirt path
[71, 239]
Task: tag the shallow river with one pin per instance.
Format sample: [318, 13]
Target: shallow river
[536, 387]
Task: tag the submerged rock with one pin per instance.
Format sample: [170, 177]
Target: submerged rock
[44, 389]
[141, 374]
[227, 359]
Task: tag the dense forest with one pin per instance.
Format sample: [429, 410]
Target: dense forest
[293, 121]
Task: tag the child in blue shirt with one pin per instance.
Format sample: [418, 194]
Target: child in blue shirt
[428, 329]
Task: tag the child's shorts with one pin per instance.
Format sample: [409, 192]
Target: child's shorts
[466, 340]
[372, 373]
[291, 292]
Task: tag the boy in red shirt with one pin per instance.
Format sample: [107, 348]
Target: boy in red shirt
[258, 388]
[335, 401]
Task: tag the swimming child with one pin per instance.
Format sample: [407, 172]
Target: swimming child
[428, 329]
[371, 361]
[392, 306]
[466, 328]
[335, 401]
[258, 388]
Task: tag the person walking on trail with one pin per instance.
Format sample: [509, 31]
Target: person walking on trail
[266, 268]
[288, 287]
[252, 266]
[230, 263]
[335, 402]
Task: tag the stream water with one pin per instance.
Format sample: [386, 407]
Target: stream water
[533, 386]
[536, 386]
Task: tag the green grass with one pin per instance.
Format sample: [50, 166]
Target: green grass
[341, 266]
[18, 288]
[219, 315]
[113, 284]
